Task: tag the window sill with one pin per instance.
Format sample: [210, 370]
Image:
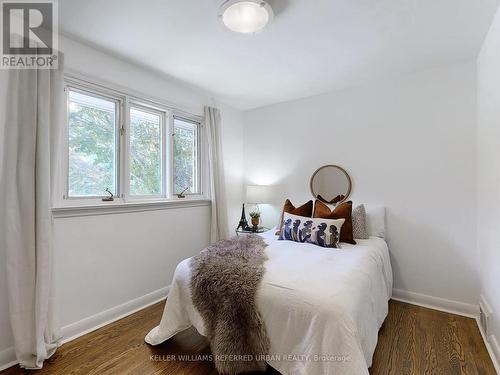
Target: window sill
[120, 207]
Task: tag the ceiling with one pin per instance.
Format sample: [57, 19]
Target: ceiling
[312, 46]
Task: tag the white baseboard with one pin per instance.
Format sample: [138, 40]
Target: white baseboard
[452, 307]
[87, 325]
[492, 347]
[495, 352]
[436, 303]
[7, 358]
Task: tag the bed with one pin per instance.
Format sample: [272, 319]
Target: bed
[322, 307]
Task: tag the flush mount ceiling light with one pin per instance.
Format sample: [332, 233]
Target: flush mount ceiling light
[246, 16]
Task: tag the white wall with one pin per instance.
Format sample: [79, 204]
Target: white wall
[232, 148]
[93, 63]
[489, 173]
[409, 144]
[104, 262]
[108, 260]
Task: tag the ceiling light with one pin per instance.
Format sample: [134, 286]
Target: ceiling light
[245, 16]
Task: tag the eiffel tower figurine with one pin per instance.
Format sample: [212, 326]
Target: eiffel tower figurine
[243, 224]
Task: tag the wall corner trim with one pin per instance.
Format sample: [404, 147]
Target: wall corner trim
[495, 352]
[437, 303]
[492, 346]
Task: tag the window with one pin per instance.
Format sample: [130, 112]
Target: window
[134, 148]
[93, 124]
[145, 152]
[185, 156]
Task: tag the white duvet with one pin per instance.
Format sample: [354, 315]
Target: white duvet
[322, 307]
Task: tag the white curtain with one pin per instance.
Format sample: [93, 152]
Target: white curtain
[30, 128]
[218, 228]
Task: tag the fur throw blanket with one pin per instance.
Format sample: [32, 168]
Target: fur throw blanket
[224, 282]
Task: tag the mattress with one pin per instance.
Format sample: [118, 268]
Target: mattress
[322, 307]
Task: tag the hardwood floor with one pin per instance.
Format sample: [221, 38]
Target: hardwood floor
[416, 340]
[413, 340]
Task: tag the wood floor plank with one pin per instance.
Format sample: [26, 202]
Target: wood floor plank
[442, 343]
[413, 340]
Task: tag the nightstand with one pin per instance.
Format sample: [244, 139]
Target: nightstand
[251, 231]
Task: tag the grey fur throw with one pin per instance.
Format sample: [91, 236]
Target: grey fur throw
[224, 282]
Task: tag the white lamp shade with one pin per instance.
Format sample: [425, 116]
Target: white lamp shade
[259, 194]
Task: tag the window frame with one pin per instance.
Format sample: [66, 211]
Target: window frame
[164, 194]
[126, 100]
[75, 87]
[198, 127]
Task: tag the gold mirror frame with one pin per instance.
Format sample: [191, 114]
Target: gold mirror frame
[318, 196]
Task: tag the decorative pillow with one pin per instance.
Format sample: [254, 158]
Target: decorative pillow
[375, 220]
[342, 211]
[305, 210]
[322, 232]
[359, 223]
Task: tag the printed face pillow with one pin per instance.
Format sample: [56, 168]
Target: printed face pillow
[322, 232]
[342, 211]
[305, 210]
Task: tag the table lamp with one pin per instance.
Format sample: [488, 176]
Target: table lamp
[257, 194]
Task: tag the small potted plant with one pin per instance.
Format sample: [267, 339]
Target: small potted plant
[255, 215]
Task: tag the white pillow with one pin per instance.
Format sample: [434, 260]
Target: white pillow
[375, 220]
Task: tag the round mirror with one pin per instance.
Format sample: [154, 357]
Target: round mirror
[330, 184]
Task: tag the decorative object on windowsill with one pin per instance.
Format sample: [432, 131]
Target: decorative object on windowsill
[331, 184]
[243, 224]
[111, 198]
[181, 194]
[255, 215]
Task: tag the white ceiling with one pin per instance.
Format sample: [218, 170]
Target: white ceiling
[313, 46]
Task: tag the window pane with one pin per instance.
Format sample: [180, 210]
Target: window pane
[145, 153]
[185, 156]
[92, 138]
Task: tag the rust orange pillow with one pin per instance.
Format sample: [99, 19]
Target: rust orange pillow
[342, 211]
[305, 210]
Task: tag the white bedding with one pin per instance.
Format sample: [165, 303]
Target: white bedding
[322, 307]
